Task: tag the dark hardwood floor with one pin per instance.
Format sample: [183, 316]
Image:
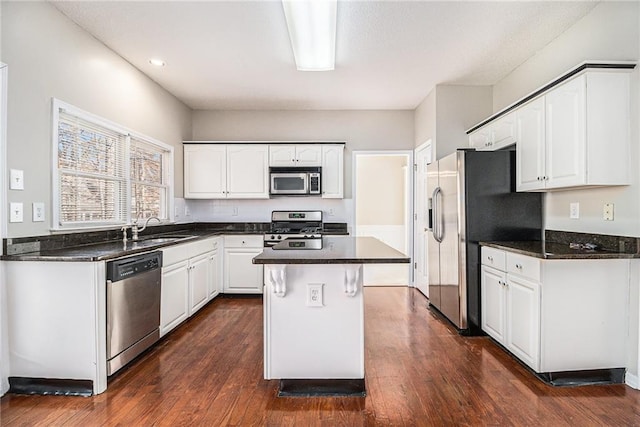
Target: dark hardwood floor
[419, 372]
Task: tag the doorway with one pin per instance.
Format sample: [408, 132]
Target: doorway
[383, 205]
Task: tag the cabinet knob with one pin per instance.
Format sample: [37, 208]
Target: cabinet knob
[490, 258]
[546, 178]
[519, 266]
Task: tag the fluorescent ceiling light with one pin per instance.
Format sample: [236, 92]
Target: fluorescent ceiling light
[312, 30]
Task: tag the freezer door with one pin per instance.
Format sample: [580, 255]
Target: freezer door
[449, 209]
[433, 247]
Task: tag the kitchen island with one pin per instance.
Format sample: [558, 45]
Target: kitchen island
[314, 312]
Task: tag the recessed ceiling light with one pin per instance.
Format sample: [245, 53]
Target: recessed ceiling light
[312, 31]
[157, 62]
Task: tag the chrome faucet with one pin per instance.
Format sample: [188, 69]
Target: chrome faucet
[124, 234]
[135, 230]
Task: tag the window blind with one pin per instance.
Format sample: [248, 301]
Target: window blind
[149, 180]
[92, 172]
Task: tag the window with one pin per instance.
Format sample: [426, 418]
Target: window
[106, 175]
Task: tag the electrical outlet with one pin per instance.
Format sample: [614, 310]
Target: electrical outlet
[315, 295]
[574, 210]
[235, 211]
[187, 212]
[38, 212]
[16, 179]
[15, 212]
[607, 212]
[330, 212]
[176, 212]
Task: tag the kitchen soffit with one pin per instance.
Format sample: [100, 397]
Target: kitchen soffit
[389, 54]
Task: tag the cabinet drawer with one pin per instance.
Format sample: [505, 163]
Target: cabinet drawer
[202, 246]
[493, 258]
[174, 254]
[524, 266]
[245, 241]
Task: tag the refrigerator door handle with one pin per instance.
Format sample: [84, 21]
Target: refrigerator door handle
[438, 222]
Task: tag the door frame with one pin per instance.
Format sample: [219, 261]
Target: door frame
[428, 144]
[4, 336]
[408, 191]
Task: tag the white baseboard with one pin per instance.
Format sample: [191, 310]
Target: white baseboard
[632, 380]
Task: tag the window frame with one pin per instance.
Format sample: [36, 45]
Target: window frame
[128, 134]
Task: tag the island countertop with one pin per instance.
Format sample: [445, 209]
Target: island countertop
[332, 250]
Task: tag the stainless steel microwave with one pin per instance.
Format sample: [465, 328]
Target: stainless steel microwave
[295, 181]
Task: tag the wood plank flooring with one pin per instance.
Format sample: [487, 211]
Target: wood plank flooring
[419, 372]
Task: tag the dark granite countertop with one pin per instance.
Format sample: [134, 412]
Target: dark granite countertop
[334, 250]
[555, 250]
[107, 245]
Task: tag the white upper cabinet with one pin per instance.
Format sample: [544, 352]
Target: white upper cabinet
[218, 171]
[495, 135]
[247, 171]
[205, 171]
[576, 134]
[295, 155]
[333, 171]
[531, 143]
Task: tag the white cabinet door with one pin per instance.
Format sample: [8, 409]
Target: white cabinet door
[198, 282]
[174, 298]
[309, 155]
[215, 273]
[205, 171]
[493, 303]
[523, 320]
[503, 131]
[565, 153]
[332, 171]
[282, 155]
[480, 139]
[241, 276]
[531, 146]
[247, 171]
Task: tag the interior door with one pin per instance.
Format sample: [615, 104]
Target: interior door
[421, 219]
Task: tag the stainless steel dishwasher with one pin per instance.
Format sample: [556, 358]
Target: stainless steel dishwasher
[133, 307]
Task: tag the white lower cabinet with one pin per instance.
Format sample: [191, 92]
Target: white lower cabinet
[188, 280]
[556, 315]
[174, 296]
[241, 276]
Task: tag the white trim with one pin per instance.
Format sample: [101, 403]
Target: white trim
[410, 191]
[632, 381]
[4, 339]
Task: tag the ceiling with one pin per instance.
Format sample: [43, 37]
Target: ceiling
[235, 55]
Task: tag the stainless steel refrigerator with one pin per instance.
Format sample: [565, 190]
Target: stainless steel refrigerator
[472, 198]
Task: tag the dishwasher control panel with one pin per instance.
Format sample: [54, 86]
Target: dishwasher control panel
[121, 269]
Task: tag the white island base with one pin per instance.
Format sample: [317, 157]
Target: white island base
[314, 328]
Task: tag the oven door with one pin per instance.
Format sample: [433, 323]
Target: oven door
[284, 183]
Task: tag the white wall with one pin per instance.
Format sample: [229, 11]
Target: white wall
[49, 56]
[609, 32]
[361, 130]
[447, 112]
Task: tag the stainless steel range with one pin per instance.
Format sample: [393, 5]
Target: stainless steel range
[293, 224]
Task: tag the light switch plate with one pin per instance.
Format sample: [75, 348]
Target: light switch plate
[315, 295]
[607, 212]
[15, 212]
[38, 212]
[16, 179]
